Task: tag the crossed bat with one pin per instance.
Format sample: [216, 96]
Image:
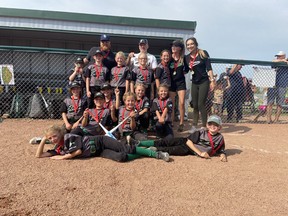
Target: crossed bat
[110, 132]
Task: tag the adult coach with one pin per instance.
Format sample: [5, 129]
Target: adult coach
[199, 64]
[105, 47]
[279, 91]
[133, 61]
[143, 48]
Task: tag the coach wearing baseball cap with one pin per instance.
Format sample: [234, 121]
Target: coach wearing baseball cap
[105, 47]
[143, 48]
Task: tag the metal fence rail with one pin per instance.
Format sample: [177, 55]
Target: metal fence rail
[46, 71]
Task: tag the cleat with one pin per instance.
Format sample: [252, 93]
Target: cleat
[35, 140]
[163, 155]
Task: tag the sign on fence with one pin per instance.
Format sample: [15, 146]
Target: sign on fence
[264, 77]
[7, 75]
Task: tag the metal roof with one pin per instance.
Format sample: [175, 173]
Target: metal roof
[93, 18]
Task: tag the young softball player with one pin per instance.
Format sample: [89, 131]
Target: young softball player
[142, 106]
[109, 103]
[163, 74]
[129, 127]
[77, 74]
[162, 109]
[142, 74]
[204, 142]
[71, 146]
[120, 75]
[95, 75]
[73, 107]
[92, 117]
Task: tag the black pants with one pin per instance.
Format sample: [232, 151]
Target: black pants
[112, 149]
[143, 121]
[163, 130]
[175, 146]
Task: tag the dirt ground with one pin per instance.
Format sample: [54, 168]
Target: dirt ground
[253, 181]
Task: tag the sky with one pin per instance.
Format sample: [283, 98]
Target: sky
[232, 29]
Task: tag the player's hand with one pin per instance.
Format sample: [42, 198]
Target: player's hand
[161, 120]
[86, 113]
[204, 155]
[88, 94]
[133, 114]
[117, 92]
[57, 157]
[75, 125]
[131, 54]
[223, 158]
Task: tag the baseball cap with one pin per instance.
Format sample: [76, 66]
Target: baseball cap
[99, 94]
[74, 85]
[178, 43]
[214, 118]
[98, 52]
[104, 37]
[280, 53]
[79, 61]
[106, 86]
[143, 41]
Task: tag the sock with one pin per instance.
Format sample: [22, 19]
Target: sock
[146, 152]
[146, 143]
[132, 156]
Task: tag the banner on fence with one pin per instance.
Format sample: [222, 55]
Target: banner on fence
[264, 77]
[7, 75]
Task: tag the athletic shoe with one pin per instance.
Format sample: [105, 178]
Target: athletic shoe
[163, 155]
[152, 148]
[35, 140]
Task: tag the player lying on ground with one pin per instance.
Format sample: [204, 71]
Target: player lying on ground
[70, 145]
[204, 142]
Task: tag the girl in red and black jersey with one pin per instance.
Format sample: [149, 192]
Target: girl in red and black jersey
[73, 107]
[95, 76]
[142, 74]
[120, 75]
[92, 118]
[142, 106]
[162, 110]
[129, 127]
[163, 74]
[55, 135]
[77, 75]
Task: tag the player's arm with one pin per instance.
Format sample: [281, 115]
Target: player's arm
[67, 156]
[132, 122]
[68, 126]
[39, 152]
[75, 125]
[191, 145]
[85, 117]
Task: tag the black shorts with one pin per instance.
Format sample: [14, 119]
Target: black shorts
[178, 85]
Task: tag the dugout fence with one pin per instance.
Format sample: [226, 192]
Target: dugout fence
[26, 71]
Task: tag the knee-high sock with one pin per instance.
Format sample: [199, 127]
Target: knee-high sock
[146, 143]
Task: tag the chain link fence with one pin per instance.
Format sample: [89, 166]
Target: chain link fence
[38, 77]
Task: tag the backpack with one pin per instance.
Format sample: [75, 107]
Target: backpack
[38, 106]
[19, 105]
